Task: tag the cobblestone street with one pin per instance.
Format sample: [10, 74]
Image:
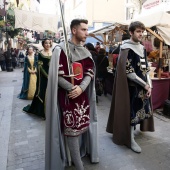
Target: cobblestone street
[22, 136]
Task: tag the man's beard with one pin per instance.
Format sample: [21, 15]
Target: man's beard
[81, 39]
[136, 39]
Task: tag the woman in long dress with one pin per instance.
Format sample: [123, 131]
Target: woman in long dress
[30, 75]
[37, 106]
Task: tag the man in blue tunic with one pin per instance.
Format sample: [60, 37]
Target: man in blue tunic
[131, 92]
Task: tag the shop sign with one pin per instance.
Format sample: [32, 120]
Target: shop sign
[151, 3]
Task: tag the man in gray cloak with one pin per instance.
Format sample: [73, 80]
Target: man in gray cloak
[71, 118]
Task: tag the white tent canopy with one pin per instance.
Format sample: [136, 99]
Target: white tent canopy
[35, 21]
[160, 19]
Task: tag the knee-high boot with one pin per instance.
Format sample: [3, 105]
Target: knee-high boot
[134, 146]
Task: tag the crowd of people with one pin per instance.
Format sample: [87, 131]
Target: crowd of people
[62, 90]
[14, 56]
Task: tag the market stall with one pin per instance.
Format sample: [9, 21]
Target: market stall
[157, 25]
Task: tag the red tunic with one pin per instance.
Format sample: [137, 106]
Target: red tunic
[76, 118]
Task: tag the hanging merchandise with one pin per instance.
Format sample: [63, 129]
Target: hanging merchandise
[147, 44]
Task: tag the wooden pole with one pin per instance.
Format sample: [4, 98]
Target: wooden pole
[160, 59]
[104, 34]
[112, 35]
[160, 51]
[155, 34]
[92, 35]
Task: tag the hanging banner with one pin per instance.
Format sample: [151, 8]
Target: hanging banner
[35, 21]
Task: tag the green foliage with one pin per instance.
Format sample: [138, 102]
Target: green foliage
[10, 23]
[11, 20]
[2, 23]
[15, 32]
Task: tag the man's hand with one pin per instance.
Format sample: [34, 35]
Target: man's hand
[148, 94]
[149, 90]
[76, 91]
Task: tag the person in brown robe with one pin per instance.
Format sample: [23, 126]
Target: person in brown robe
[131, 104]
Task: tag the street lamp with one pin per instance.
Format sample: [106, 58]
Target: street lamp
[9, 67]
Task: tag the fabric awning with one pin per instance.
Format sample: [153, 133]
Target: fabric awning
[164, 33]
[35, 21]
